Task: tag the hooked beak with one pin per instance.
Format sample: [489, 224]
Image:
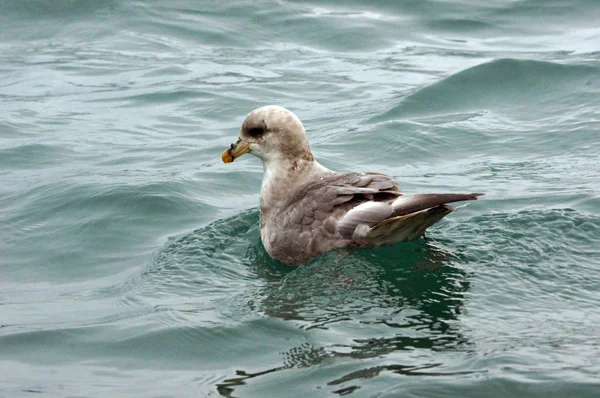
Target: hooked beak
[237, 149]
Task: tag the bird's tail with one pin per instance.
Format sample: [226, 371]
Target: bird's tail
[412, 215]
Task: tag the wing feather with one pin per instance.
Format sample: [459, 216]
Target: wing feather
[408, 204]
[368, 213]
[317, 201]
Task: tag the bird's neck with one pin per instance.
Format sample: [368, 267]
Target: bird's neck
[283, 176]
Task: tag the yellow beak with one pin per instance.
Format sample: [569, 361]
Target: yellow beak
[237, 149]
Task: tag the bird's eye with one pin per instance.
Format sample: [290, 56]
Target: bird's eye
[255, 132]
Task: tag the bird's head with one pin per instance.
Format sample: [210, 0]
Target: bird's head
[271, 133]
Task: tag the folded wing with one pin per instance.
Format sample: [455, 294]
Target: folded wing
[359, 209]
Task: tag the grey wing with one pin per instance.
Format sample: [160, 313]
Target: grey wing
[352, 208]
[358, 198]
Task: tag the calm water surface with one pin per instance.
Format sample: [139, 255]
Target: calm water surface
[130, 257]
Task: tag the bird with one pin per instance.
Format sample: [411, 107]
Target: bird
[307, 209]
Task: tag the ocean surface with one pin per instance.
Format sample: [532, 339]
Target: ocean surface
[130, 258]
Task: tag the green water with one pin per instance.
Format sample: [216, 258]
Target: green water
[130, 256]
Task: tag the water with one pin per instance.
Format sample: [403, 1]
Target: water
[130, 257]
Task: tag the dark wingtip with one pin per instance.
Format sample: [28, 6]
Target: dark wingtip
[476, 195]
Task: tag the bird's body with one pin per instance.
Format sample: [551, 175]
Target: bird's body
[307, 209]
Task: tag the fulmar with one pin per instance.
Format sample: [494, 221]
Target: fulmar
[307, 209]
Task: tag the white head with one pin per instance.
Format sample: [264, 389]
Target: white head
[273, 134]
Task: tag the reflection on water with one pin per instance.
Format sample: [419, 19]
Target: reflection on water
[397, 298]
[391, 300]
[404, 287]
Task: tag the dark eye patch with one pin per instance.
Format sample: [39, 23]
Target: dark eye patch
[256, 131]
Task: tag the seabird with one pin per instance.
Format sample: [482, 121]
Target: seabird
[307, 209]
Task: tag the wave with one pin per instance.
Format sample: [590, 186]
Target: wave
[503, 85]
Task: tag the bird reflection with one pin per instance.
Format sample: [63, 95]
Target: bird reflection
[401, 302]
[412, 292]
[401, 298]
